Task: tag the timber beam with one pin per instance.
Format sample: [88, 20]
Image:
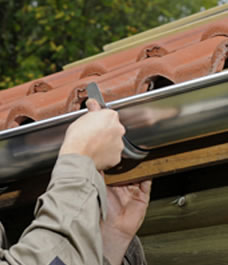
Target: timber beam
[204, 246]
[170, 164]
[193, 210]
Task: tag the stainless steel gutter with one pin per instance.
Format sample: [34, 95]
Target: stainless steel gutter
[157, 118]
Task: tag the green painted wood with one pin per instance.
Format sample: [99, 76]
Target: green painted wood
[205, 246]
[200, 209]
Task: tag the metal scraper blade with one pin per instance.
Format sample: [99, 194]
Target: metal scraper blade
[94, 92]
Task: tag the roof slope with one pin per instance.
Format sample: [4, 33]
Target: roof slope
[182, 56]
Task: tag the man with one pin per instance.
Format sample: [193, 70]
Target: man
[76, 220]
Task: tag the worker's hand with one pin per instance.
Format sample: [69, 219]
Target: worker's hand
[127, 207]
[97, 135]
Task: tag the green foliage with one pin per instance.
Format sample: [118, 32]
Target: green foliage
[38, 37]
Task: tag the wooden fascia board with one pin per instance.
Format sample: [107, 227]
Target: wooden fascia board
[171, 164]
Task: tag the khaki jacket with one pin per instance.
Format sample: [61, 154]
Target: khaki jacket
[66, 228]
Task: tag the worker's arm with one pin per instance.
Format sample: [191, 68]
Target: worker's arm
[66, 229]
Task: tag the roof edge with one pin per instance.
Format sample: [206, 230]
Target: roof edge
[197, 17]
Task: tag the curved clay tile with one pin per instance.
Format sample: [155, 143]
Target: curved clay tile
[93, 69]
[80, 91]
[216, 29]
[76, 97]
[154, 50]
[14, 93]
[19, 114]
[119, 85]
[40, 106]
[195, 61]
[3, 116]
[150, 72]
[38, 87]
[18, 92]
[219, 57]
[55, 102]
[61, 78]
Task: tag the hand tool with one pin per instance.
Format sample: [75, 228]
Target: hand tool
[130, 151]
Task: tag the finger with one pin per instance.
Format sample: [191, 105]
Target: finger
[134, 190]
[92, 105]
[146, 186]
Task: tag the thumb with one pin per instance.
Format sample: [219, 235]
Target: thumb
[92, 105]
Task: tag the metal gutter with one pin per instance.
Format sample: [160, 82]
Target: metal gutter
[157, 118]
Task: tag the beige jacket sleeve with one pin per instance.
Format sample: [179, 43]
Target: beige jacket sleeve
[66, 228]
[3, 239]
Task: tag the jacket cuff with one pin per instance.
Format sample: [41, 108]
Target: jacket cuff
[3, 239]
[105, 261]
[135, 253]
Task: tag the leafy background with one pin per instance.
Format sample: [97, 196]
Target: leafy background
[38, 37]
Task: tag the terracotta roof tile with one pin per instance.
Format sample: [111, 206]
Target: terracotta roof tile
[42, 105]
[217, 29]
[173, 59]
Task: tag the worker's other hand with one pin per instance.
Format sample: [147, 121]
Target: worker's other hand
[98, 135]
[127, 207]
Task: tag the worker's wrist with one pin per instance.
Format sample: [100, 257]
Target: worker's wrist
[115, 244]
[82, 149]
[67, 149]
